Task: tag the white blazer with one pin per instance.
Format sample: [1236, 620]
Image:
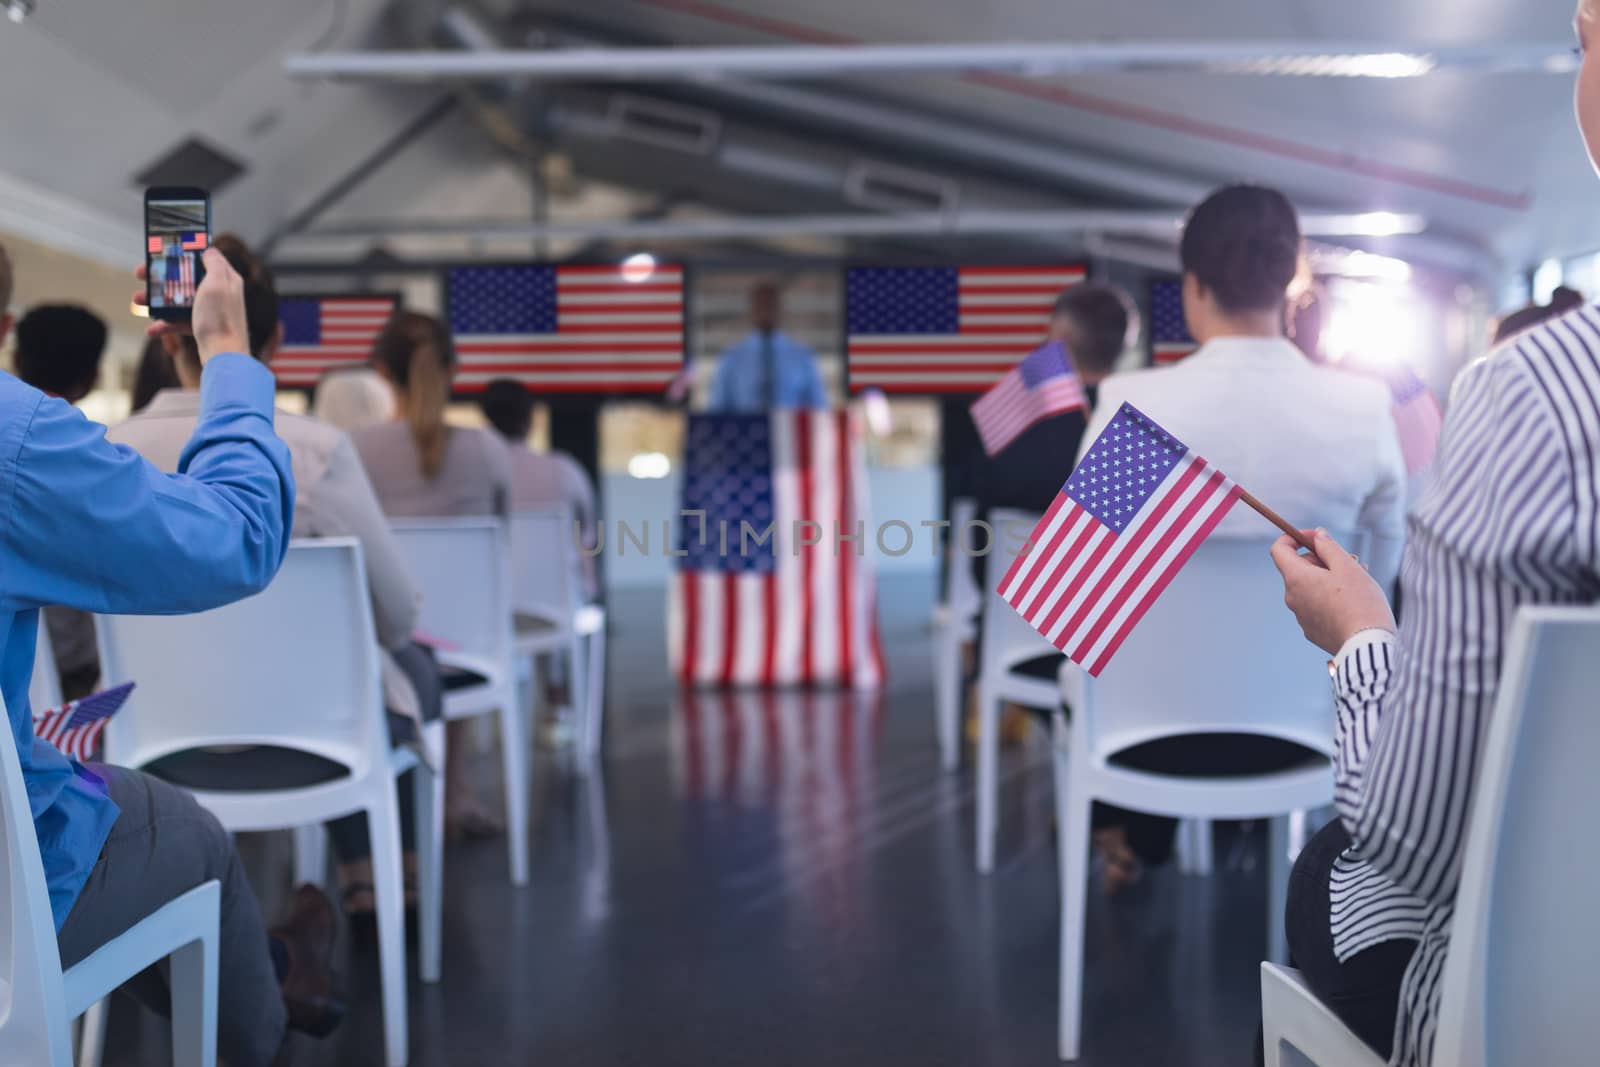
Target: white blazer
[1316, 445]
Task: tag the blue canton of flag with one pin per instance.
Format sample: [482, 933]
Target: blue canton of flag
[728, 475]
[74, 729]
[1042, 385]
[897, 300]
[514, 299]
[1123, 469]
[1170, 340]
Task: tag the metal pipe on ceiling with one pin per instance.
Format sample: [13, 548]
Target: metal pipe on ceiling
[1158, 224]
[1270, 58]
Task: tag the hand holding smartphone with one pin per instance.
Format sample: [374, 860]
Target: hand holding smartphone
[177, 231]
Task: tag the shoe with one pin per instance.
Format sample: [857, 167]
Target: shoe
[308, 989]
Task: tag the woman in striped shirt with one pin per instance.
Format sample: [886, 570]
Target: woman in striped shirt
[1511, 519]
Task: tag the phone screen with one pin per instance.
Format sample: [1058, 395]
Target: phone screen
[177, 225]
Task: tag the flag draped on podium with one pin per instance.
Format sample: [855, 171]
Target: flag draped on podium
[1043, 385]
[75, 728]
[1126, 522]
[775, 584]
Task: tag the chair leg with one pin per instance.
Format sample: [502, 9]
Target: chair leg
[194, 1002]
[1072, 817]
[388, 882]
[92, 1034]
[311, 855]
[515, 756]
[577, 685]
[947, 693]
[428, 789]
[594, 717]
[988, 776]
[1204, 838]
[1278, 864]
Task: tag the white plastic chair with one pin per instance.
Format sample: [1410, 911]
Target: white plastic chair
[1217, 653]
[1008, 642]
[461, 569]
[38, 1001]
[955, 622]
[1519, 982]
[44, 688]
[295, 667]
[552, 616]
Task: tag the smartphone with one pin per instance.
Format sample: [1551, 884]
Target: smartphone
[177, 232]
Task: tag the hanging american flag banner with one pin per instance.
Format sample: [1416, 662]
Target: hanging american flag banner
[323, 333]
[765, 594]
[946, 329]
[1169, 331]
[1043, 385]
[610, 329]
[75, 728]
[1122, 527]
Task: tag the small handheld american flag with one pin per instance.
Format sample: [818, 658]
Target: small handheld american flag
[1122, 527]
[75, 728]
[1042, 385]
[1417, 418]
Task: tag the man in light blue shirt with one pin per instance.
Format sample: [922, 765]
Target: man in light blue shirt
[767, 371]
[92, 526]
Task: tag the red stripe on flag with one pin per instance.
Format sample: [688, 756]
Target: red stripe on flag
[802, 422]
[1129, 582]
[1094, 530]
[1128, 546]
[731, 625]
[769, 606]
[1161, 583]
[1056, 505]
[847, 589]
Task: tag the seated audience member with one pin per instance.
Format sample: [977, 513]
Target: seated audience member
[421, 467]
[97, 528]
[59, 347]
[353, 398]
[1562, 301]
[540, 479]
[154, 373]
[1314, 443]
[333, 499]
[1509, 521]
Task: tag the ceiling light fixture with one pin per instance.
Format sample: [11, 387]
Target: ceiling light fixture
[17, 10]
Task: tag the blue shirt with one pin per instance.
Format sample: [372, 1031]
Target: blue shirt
[92, 526]
[766, 372]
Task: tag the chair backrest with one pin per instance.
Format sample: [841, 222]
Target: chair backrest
[545, 568]
[44, 688]
[295, 666]
[1007, 638]
[461, 568]
[1520, 981]
[33, 1012]
[1218, 652]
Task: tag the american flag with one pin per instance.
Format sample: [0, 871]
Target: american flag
[193, 240]
[1125, 523]
[1417, 417]
[1042, 385]
[946, 329]
[180, 279]
[1169, 332]
[321, 333]
[744, 611]
[75, 728]
[568, 329]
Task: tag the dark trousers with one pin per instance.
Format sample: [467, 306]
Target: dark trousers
[1363, 991]
[162, 845]
[1201, 755]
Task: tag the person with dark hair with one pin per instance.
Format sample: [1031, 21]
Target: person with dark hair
[59, 347]
[154, 373]
[336, 499]
[1317, 444]
[540, 479]
[1522, 320]
[422, 467]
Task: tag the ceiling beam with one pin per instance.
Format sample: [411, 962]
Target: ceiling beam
[1274, 58]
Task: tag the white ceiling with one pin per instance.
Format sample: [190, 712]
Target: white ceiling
[95, 91]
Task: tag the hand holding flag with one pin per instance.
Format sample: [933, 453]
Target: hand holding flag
[75, 728]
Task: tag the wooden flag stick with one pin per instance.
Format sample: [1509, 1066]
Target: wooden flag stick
[1277, 520]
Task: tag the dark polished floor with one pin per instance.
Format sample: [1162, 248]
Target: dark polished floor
[776, 880]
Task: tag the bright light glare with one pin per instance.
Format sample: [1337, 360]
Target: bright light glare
[1384, 224]
[638, 267]
[1388, 65]
[1546, 280]
[875, 406]
[1359, 264]
[1376, 324]
[649, 465]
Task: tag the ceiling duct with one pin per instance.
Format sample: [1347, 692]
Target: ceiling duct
[664, 125]
[881, 187]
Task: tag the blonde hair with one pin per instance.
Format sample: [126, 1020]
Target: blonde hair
[416, 353]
